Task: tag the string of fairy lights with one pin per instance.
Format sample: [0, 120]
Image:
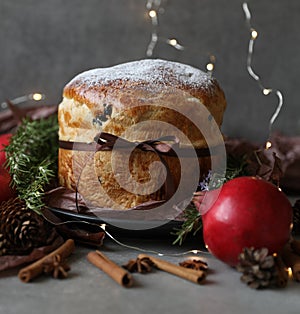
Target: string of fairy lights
[103, 226]
[23, 99]
[266, 91]
[155, 9]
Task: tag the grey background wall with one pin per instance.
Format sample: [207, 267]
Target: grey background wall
[44, 43]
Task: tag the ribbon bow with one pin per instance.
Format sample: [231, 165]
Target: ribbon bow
[106, 141]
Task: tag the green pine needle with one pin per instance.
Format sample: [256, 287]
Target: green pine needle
[191, 223]
[32, 159]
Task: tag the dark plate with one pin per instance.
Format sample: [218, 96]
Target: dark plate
[120, 226]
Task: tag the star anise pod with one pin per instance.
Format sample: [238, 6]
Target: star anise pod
[196, 264]
[140, 265]
[260, 269]
[56, 266]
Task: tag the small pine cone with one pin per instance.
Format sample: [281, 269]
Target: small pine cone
[258, 268]
[21, 229]
[296, 217]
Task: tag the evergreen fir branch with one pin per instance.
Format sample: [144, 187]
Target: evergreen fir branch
[32, 159]
[192, 222]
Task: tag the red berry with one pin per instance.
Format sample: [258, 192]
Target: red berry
[248, 212]
[6, 192]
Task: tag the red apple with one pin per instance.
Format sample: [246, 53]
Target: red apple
[6, 192]
[248, 212]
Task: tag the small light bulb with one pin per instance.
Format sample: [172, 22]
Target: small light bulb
[290, 272]
[173, 42]
[152, 13]
[268, 144]
[210, 66]
[254, 34]
[103, 226]
[267, 91]
[195, 251]
[37, 96]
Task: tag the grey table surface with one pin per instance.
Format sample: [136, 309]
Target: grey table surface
[89, 290]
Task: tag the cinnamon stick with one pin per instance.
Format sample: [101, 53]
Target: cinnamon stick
[292, 260]
[193, 275]
[117, 273]
[33, 270]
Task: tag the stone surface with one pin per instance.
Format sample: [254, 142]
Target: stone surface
[88, 290]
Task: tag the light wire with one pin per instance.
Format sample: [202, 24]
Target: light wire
[136, 248]
[266, 91]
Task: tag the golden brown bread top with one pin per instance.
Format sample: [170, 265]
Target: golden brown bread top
[151, 74]
[116, 98]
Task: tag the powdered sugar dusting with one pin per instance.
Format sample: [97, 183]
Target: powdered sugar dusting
[148, 71]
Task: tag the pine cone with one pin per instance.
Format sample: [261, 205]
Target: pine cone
[21, 229]
[258, 268]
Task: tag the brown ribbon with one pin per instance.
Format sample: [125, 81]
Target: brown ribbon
[106, 141]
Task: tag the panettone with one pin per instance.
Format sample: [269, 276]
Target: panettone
[135, 102]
